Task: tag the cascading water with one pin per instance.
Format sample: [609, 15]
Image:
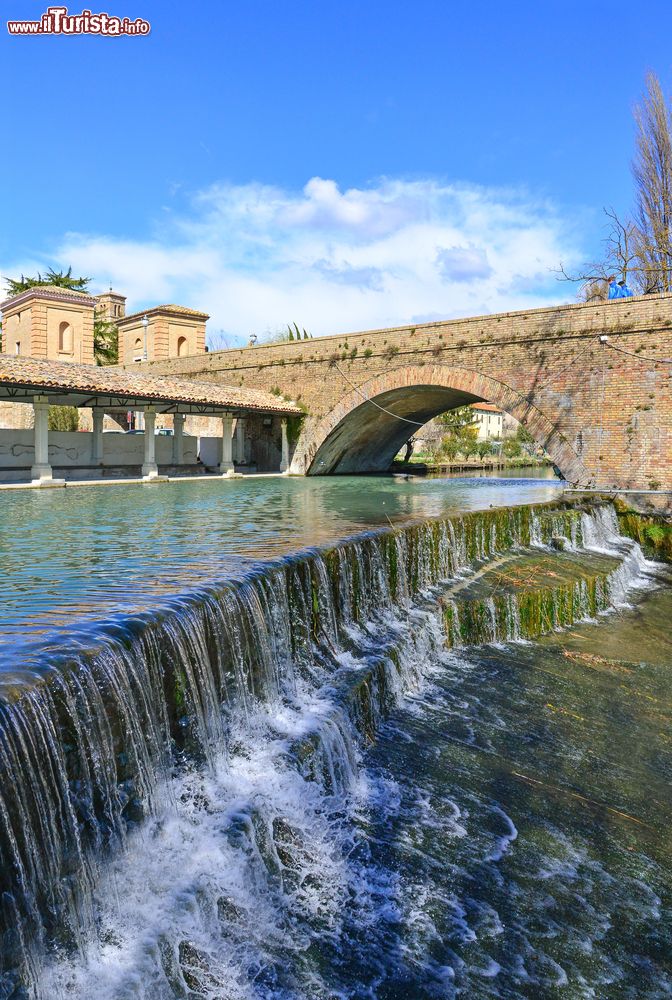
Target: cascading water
[177, 802]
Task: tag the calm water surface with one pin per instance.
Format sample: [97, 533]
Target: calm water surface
[76, 554]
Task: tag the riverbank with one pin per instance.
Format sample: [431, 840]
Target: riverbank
[422, 467]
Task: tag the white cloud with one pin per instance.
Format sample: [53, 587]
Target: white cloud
[257, 257]
[463, 263]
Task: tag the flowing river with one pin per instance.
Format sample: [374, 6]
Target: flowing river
[379, 738]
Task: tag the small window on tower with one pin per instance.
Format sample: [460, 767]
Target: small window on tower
[65, 338]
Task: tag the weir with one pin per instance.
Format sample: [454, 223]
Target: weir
[160, 723]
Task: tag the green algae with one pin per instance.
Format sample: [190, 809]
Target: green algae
[529, 597]
[652, 531]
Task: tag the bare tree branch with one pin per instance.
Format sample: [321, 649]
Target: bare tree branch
[652, 173]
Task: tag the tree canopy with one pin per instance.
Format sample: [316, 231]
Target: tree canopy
[60, 279]
[638, 246]
[455, 420]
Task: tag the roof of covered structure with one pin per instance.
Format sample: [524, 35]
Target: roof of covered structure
[53, 293]
[170, 308]
[81, 385]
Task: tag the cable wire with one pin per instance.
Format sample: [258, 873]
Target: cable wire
[406, 420]
[639, 357]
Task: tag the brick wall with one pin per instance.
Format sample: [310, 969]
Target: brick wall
[610, 412]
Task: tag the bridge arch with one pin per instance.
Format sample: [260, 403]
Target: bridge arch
[363, 432]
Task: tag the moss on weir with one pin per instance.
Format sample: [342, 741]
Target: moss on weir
[652, 531]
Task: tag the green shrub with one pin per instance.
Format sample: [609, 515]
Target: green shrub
[63, 418]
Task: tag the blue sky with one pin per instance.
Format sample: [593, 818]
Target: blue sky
[340, 165]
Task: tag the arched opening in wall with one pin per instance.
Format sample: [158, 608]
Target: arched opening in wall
[372, 424]
[369, 436]
[182, 347]
[65, 338]
[476, 439]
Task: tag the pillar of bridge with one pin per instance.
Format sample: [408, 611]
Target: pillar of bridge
[150, 469]
[226, 464]
[97, 437]
[41, 471]
[284, 459]
[240, 441]
[178, 439]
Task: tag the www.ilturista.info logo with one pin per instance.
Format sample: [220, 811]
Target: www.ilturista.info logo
[57, 21]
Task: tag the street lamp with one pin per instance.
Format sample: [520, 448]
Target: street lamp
[145, 324]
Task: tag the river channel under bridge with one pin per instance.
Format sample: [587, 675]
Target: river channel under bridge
[374, 739]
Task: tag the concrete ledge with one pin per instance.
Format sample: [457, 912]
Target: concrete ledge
[138, 481]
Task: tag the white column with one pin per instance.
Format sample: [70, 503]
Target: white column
[97, 439]
[284, 461]
[150, 469]
[178, 439]
[226, 465]
[240, 440]
[41, 470]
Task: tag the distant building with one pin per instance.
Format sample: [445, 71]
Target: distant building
[489, 420]
[55, 323]
[171, 332]
[49, 322]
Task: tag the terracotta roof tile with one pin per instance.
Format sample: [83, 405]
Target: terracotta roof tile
[490, 407]
[170, 308]
[40, 374]
[52, 292]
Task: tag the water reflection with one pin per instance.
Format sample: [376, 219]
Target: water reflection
[81, 553]
[523, 472]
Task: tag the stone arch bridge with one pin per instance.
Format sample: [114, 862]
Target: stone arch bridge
[602, 408]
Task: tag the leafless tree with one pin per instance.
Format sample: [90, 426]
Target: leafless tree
[220, 340]
[639, 249]
[620, 258]
[652, 172]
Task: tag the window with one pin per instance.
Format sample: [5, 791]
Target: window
[17, 347]
[65, 338]
[181, 347]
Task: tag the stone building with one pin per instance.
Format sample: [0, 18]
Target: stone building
[57, 324]
[159, 333]
[111, 306]
[49, 322]
[46, 322]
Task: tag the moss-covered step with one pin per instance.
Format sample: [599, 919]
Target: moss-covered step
[652, 531]
[527, 596]
[552, 526]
